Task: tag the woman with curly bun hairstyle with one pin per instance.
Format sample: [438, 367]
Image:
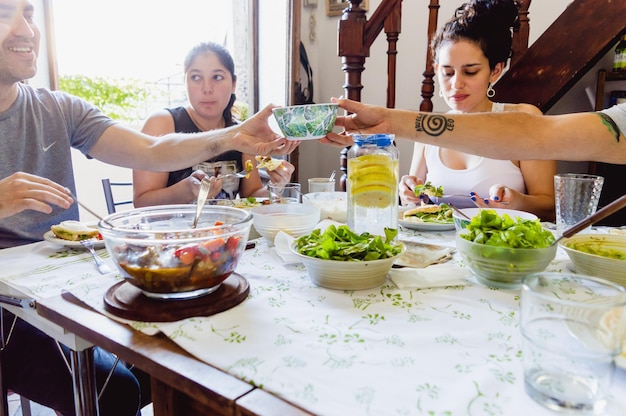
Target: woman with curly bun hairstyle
[470, 53]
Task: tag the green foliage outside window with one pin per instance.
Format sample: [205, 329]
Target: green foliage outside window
[120, 99]
[131, 100]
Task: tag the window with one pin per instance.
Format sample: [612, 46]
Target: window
[147, 41]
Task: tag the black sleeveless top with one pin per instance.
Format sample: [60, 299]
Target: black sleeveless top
[227, 162]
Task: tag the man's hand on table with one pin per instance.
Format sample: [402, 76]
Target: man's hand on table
[22, 191]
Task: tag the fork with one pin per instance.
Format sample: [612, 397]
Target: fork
[103, 268]
[239, 175]
[436, 199]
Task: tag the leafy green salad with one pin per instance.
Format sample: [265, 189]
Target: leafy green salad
[428, 189]
[491, 229]
[341, 243]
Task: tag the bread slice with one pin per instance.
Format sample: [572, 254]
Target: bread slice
[74, 231]
[422, 209]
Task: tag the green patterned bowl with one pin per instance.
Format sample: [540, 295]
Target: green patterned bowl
[306, 122]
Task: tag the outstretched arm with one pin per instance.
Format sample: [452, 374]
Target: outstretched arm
[125, 147]
[508, 135]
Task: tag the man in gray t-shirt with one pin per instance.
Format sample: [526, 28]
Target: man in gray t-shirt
[38, 127]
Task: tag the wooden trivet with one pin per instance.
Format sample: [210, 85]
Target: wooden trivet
[127, 301]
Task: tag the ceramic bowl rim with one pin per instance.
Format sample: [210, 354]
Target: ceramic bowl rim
[606, 237]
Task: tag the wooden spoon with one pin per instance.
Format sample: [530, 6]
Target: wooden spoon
[601, 214]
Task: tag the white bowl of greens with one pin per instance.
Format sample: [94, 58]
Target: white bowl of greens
[501, 250]
[338, 258]
[461, 222]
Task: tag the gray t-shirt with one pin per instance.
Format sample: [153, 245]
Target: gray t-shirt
[36, 134]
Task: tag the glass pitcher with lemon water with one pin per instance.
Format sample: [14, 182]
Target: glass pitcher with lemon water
[372, 184]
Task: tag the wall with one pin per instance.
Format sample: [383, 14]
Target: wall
[329, 78]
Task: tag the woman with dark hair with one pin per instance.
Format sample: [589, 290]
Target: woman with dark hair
[470, 54]
[210, 80]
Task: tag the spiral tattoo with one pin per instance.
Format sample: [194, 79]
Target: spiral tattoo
[433, 124]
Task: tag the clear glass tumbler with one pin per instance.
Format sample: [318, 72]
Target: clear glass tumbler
[572, 330]
[576, 197]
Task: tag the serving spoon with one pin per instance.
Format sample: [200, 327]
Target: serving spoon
[86, 208]
[599, 215]
[205, 187]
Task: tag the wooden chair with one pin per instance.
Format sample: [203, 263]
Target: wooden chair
[112, 203]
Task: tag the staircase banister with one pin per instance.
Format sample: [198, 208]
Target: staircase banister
[376, 22]
[566, 51]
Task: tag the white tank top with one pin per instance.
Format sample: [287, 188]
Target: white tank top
[478, 178]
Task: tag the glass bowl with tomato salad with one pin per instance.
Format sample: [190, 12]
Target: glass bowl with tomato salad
[157, 250]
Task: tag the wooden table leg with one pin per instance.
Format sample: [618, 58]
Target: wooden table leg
[163, 398]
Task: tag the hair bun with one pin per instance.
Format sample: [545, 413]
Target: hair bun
[503, 14]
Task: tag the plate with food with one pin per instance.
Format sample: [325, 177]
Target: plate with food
[71, 233]
[243, 203]
[427, 217]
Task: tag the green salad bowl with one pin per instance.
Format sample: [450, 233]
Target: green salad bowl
[503, 267]
[306, 122]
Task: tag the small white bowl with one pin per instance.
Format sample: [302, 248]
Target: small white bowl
[460, 222]
[595, 264]
[333, 205]
[347, 275]
[293, 219]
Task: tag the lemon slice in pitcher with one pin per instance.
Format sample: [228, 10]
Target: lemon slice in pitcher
[376, 196]
[372, 180]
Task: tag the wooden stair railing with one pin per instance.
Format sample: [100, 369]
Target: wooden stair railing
[356, 35]
[573, 44]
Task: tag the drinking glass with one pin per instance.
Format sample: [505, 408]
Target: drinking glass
[576, 198]
[572, 330]
[321, 185]
[284, 193]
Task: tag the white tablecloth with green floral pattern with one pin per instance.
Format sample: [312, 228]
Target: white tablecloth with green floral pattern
[385, 351]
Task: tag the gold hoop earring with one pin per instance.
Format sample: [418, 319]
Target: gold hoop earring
[490, 91]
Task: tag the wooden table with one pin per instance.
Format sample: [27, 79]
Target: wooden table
[181, 384]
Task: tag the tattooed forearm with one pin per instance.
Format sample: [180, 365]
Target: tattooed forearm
[610, 124]
[433, 124]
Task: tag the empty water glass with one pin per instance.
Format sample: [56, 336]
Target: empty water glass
[284, 193]
[576, 198]
[572, 328]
